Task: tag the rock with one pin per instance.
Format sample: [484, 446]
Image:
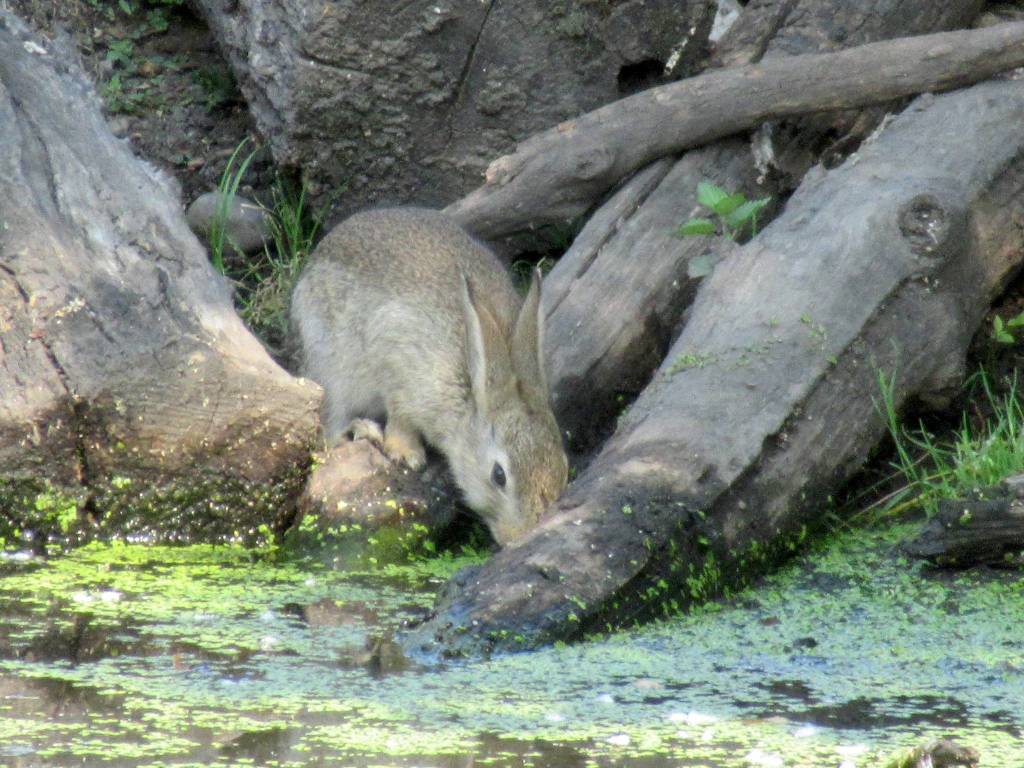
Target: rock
[409, 102]
[120, 125]
[354, 485]
[941, 753]
[247, 227]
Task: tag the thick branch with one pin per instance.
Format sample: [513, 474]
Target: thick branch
[558, 174]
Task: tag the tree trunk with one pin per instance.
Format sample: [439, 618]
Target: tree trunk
[767, 399]
[557, 175]
[628, 259]
[132, 398]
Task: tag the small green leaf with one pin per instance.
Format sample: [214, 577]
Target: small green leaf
[999, 332]
[727, 205]
[1016, 321]
[709, 195]
[745, 212]
[696, 227]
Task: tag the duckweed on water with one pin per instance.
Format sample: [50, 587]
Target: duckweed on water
[221, 656]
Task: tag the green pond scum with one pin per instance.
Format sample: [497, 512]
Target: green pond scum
[207, 507]
[132, 655]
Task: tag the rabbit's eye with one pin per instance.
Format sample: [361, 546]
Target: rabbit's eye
[498, 475]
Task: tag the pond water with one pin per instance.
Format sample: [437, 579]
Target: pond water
[129, 655]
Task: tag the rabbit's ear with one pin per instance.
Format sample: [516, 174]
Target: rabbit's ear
[528, 340]
[476, 356]
[486, 353]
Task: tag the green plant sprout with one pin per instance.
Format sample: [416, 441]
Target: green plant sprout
[1002, 330]
[733, 212]
[266, 283]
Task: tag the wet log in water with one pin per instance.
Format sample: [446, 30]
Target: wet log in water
[628, 259]
[556, 175]
[132, 397]
[986, 528]
[766, 400]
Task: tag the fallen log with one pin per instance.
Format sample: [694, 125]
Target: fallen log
[766, 400]
[133, 401]
[986, 528]
[628, 259]
[557, 175]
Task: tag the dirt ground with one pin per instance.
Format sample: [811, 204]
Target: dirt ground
[165, 87]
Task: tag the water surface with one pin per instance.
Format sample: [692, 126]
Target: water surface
[131, 655]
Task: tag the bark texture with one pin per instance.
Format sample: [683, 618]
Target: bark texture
[629, 260]
[388, 101]
[766, 400]
[132, 397]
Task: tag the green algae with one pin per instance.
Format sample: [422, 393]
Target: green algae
[357, 547]
[207, 507]
[210, 654]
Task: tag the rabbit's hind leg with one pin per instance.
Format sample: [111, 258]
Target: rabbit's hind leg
[366, 429]
[402, 442]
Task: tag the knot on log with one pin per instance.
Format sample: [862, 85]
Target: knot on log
[501, 171]
[593, 163]
[924, 223]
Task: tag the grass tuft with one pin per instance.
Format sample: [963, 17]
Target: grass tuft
[227, 189]
[974, 456]
[265, 284]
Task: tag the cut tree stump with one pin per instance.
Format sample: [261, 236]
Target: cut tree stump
[766, 401]
[555, 176]
[629, 260]
[133, 401]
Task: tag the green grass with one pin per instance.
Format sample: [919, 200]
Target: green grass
[972, 456]
[227, 189]
[265, 283]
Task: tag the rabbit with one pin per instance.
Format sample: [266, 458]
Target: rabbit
[399, 313]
